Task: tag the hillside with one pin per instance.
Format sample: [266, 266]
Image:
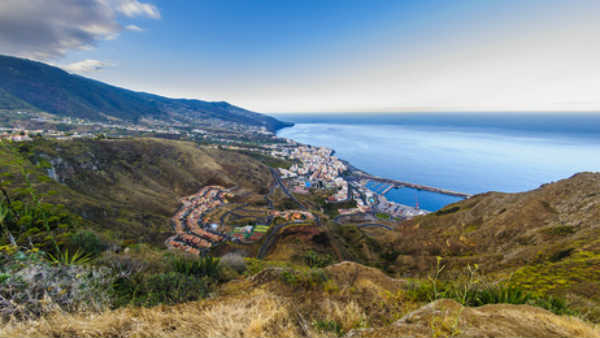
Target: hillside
[546, 240]
[30, 85]
[132, 186]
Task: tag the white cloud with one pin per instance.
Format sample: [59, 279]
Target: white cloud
[133, 8]
[85, 66]
[45, 30]
[134, 28]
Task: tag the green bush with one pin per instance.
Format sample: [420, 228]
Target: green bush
[447, 211]
[561, 230]
[498, 295]
[307, 279]
[329, 326]
[163, 288]
[167, 279]
[198, 267]
[63, 257]
[87, 241]
[478, 295]
[316, 260]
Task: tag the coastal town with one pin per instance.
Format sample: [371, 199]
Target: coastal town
[318, 167]
[201, 222]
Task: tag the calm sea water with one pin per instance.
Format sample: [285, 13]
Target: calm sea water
[463, 152]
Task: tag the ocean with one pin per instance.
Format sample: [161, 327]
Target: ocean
[470, 153]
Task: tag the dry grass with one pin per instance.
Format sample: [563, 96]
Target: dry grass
[447, 318]
[259, 315]
[242, 308]
[267, 307]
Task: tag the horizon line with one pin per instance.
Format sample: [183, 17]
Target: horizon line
[442, 112]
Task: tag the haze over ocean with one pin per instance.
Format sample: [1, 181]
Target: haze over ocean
[464, 152]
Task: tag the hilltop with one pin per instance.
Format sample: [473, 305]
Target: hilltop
[29, 85]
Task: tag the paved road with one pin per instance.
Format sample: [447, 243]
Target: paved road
[373, 225]
[284, 188]
[364, 225]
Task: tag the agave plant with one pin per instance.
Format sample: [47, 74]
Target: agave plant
[79, 257]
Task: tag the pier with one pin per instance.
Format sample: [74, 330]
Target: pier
[397, 184]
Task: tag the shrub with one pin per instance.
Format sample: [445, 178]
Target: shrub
[88, 241]
[307, 279]
[316, 260]
[471, 291]
[498, 295]
[447, 211]
[198, 267]
[328, 326]
[163, 288]
[561, 230]
[75, 258]
[173, 288]
[166, 279]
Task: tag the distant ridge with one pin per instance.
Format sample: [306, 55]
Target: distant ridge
[32, 85]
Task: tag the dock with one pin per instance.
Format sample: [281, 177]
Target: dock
[394, 184]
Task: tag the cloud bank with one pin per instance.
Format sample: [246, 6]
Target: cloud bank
[45, 30]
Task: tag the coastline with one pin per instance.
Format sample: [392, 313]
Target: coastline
[354, 174]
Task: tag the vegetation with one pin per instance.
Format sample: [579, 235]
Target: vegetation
[316, 260]
[471, 289]
[128, 188]
[446, 211]
[331, 209]
[266, 159]
[31, 285]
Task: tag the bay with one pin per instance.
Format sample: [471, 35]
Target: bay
[470, 153]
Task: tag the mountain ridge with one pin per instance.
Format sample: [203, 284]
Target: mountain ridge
[35, 85]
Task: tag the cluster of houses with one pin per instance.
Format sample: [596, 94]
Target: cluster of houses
[319, 167]
[193, 231]
[15, 137]
[22, 135]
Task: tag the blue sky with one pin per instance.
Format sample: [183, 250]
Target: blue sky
[328, 56]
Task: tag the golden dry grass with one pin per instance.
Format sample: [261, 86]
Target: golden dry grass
[268, 307]
[447, 318]
[258, 315]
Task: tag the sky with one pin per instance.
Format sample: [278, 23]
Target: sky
[278, 56]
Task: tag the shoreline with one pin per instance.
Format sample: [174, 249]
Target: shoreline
[359, 175]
